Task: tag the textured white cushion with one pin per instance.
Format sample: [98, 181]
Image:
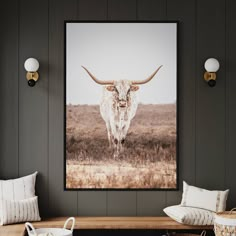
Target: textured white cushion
[190, 215]
[17, 189]
[205, 199]
[19, 211]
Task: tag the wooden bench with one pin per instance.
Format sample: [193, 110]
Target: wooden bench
[159, 223]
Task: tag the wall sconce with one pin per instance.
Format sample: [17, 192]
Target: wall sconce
[31, 66]
[211, 65]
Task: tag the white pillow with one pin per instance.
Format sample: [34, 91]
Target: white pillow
[19, 211]
[190, 215]
[18, 189]
[205, 199]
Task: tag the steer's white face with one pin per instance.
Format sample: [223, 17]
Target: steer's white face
[122, 90]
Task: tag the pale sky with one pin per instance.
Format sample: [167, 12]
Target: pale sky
[113, 51]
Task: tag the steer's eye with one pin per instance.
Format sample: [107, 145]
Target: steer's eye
[134, 88]
[110, 88]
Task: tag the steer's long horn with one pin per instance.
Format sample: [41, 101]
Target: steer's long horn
[102, 82]
[148, 79]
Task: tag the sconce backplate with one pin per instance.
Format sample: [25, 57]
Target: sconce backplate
[32, 75]
[209, 76]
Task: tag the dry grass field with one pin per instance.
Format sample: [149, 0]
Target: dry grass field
[148, 160]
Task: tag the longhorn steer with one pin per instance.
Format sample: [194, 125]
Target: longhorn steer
[118, 107]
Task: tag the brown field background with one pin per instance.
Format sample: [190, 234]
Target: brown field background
[149, 158]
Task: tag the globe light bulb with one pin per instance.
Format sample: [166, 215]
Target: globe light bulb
[212, 65]
[31, 65]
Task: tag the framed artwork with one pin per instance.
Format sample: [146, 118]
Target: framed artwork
[121, 106]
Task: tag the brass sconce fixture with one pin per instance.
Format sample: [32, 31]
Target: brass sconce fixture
[212, 65]
[31, 66]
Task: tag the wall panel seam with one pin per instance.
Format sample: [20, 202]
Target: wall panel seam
[77, 9]
[166, 9]
[107, 11]
[108, 3]
[196, 91]
[18, 103]
[226, 97]
[48, 105]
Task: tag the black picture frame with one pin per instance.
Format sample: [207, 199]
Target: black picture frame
[66, 188]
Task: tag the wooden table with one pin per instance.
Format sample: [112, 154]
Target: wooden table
[159, 223]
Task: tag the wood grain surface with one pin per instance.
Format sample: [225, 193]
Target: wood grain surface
[104, 223]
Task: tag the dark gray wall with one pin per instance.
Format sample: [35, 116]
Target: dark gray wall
[31, 119]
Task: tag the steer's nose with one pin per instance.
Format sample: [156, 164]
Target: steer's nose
[122, 103]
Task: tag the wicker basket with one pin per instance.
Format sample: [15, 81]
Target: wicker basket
[225, 223]
[51, 231]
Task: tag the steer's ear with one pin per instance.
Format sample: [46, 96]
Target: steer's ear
[134, 88]
[110, 88]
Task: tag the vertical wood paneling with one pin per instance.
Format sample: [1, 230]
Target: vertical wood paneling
[150, 203]
[186, 89]
[92, 202]
[32, 119]
[33, 102]
[230, 101]
[60, 202]
[151, 10]
[92, 10]
[210, 117]
[9, 89]
[122, 10]
[121, 203]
